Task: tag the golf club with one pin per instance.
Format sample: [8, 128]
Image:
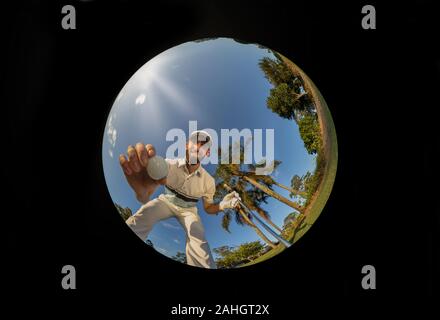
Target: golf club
[286, 243]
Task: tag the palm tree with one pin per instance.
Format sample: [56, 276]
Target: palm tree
[241, 218]
[253, 189]
[251, 197]
[292, 191]
[256, 229]
[234, 174]
[253, 180]
[269, 181]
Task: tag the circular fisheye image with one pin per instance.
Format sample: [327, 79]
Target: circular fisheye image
[219, 153]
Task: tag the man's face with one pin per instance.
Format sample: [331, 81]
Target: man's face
[195, 152]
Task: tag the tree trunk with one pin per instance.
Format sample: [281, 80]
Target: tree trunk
[273, 194]
[295, 192]
[256, 229]
[269, 221]
[296, 224]
[300, 96]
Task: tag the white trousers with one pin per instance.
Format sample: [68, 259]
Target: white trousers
[197, 249]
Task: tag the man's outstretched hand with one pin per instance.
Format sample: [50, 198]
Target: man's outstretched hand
[134, 166]
[230, 201]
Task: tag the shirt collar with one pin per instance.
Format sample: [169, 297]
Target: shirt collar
[182, 162]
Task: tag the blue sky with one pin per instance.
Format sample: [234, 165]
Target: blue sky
[219, 84]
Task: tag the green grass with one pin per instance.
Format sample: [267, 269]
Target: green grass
[317, 205]
[315, 208]
[279, 248]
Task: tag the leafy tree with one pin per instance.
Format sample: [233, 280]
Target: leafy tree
[179, 257]
[125, 213]
[269, 181]
[293, 224]
[226, 257]
[241, 177]
[230, 257]
[240, 216]
[150, 243]
[277, 72]
[289, 219]
[249, 250]
[251, 197]
[284, 101]
[253, 189]
[289, 100]
[251, 43]
[223, 251]
[296, 183]
[310, 133]
[309, 182]
[205, 39]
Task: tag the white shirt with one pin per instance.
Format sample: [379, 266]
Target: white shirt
[184, 188]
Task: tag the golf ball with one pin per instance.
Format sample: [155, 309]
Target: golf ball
[157, 168]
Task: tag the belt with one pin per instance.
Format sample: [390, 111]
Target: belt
[180, 195]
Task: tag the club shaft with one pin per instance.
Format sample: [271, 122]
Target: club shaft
[265, 226]
[286, 243]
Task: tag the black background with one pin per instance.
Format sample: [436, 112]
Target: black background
[381, 86]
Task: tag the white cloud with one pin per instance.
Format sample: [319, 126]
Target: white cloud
[176, 241]
[111, 131]
[140, 99]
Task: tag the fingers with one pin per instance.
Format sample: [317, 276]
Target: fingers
[150, 150]
[142, 154]
[124, 164]
[133, 159]
[232, 195]
[235, 202]
[137, 158]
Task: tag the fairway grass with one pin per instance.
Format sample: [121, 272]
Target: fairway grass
[317, 204]
[323, 193]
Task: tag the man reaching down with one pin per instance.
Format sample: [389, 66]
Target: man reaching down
[187, 181]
